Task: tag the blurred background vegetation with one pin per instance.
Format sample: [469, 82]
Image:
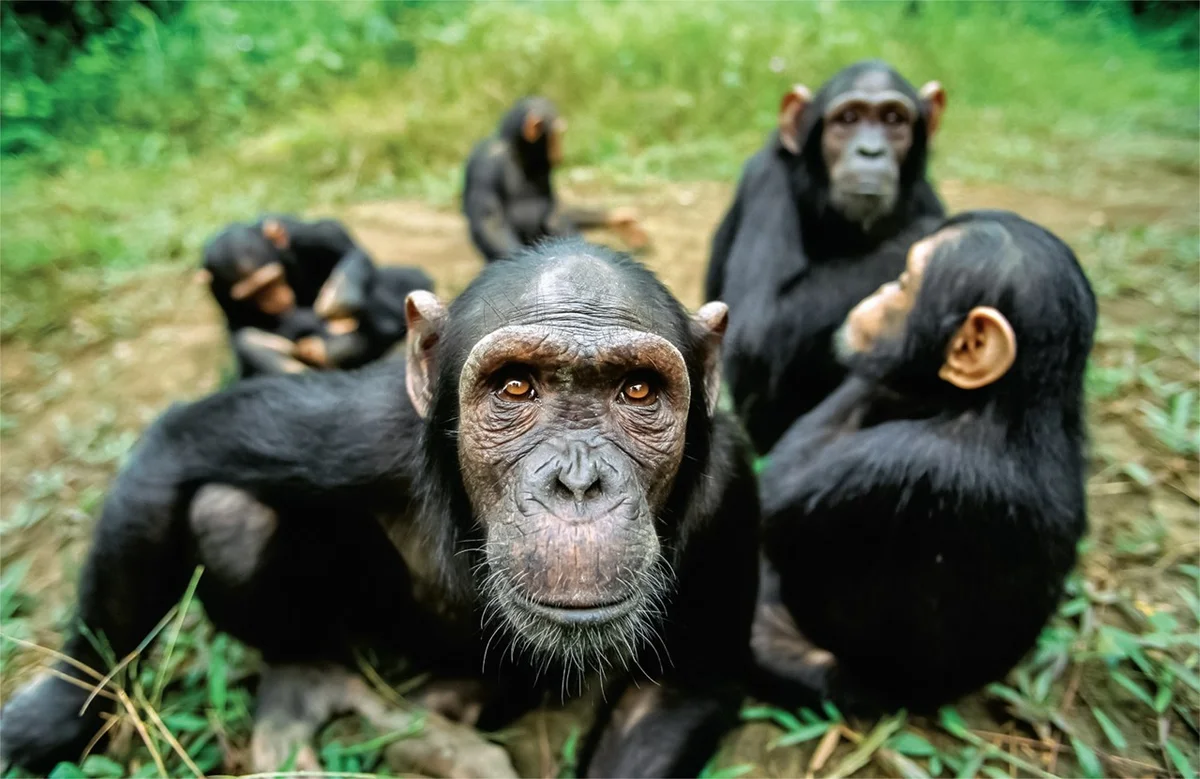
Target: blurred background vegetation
[130, 130]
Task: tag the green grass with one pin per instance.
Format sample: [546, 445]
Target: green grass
[161, 132]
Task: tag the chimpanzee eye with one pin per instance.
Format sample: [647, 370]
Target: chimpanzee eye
[849, 116]
[639, 391]
[892, 117]
[516, 389]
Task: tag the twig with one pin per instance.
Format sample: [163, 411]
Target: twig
[131, 710]
[866, 749]
[78, 682]
[87, 669]
[110, 722]
[377, 681]
[170, 737]
[825, 748]
[1072, 688]
[1014, 739]
[129, 658]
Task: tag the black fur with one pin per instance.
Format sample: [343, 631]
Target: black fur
[921, 533]
[791, 267]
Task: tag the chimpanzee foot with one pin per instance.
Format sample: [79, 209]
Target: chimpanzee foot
[296, 701]
[293, 703]
[458, 700]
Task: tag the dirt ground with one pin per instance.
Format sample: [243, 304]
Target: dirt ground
[58, 404]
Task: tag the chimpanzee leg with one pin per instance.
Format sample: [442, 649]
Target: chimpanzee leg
[303, 585]
[787, 666]
[666, 729]
[136, 570]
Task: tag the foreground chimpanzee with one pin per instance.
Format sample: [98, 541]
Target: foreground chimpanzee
[303, 294]
[823, 214]
[555, 482]
[918, 524]
[508, 197]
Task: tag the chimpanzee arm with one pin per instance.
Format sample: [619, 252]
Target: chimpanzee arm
[670, 729]
[841, 412]
[345, 292]
[568, 221]
[483, 203]
[722, 242]
[347, 350]
[317, 435]
[260, 352]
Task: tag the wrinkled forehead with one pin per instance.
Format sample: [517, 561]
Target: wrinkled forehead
[574, 294]
[871, 87]
[575, 315]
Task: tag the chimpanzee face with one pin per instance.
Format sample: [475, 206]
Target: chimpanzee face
[920, 324]
[868, 131]
[571, 430]
[882, 315]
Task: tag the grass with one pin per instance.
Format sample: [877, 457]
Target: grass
[121, 162]
[226, 110]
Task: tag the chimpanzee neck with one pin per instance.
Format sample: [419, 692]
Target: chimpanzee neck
[534, 162]
[826, 233]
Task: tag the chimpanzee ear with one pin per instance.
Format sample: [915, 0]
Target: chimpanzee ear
[791, 108]
[533, 127]
[982, 350]
[425, 315]
[274, 231]
[712, 318]
[934, 98]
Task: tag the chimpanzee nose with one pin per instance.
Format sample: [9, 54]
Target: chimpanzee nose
[871, 152]
[578, 475]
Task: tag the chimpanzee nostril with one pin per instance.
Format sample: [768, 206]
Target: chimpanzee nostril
[871, 152]
[578, 484]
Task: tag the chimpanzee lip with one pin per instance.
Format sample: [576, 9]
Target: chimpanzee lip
[580, 615]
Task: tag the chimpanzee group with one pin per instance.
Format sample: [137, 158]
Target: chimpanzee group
[547, 492]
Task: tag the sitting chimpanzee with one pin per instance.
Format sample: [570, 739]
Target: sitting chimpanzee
[555, 483]
[823, 214]
[303, 294]
[919, 523]
[508, 197]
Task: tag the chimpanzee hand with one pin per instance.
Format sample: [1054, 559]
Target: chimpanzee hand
[624, 222]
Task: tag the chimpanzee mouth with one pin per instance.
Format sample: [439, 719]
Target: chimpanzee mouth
[582, 635]
[580, 615]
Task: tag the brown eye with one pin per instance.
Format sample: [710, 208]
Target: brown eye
[639, 392]
[848, 116]
[516, 389]
[892, 117]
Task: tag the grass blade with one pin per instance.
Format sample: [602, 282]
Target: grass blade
[1114, 736]
[1088, 762]
[866, 750]
[1180, 761]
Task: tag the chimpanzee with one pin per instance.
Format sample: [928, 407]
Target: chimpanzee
[552, 475]
[823, 214]
[919, 523]
[508, 197]
[304, 294]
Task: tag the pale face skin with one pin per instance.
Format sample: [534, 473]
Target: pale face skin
[882, 314]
